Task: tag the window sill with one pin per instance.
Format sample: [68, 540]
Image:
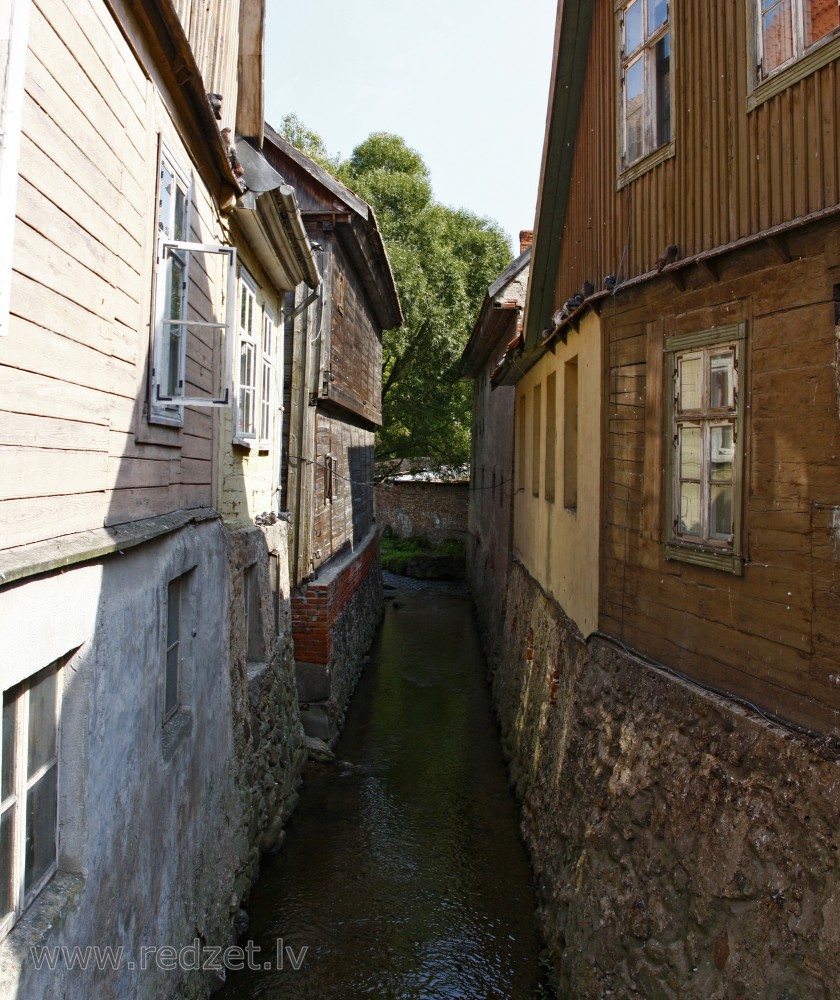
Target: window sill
[824, 52]
[727, 562]
[59, 898]
[251, 444]
[648, 162]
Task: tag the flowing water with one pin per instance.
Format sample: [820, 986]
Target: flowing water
[403, 875]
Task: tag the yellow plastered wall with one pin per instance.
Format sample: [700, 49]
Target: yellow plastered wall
[557, 540]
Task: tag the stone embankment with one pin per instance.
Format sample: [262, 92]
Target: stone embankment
[683, 845]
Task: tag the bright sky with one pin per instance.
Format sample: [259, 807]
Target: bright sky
[465, 82]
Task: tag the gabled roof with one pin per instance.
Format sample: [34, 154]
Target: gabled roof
[497, 318]
[323, 199]
[571, 47]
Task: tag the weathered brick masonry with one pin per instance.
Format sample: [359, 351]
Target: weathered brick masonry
[318, 605]
[437, 511]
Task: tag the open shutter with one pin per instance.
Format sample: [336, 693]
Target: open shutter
[177, 322]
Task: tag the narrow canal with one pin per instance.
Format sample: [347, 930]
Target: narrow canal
[403, 874]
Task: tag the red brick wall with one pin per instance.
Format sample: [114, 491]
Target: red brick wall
[316, 606]
[436, 510]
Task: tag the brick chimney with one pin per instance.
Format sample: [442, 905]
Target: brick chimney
[526, 238]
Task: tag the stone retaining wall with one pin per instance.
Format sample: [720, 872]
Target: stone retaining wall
[683, 846]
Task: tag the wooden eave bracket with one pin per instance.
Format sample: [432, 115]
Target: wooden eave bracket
[779, 245]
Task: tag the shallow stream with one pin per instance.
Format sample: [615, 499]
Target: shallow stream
[403, 875]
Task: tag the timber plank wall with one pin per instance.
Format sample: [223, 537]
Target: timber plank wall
[771, 636]
[735, 171]
[75, 449]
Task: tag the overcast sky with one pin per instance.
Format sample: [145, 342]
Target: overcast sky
[465, 82]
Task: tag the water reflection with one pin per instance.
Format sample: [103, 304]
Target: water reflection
[403, 874]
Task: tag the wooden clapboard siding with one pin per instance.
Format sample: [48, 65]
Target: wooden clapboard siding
[735, 172]
[772, 635]
[73, 369]
[212, 27]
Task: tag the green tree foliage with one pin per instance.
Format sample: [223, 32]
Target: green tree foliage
[443, 261]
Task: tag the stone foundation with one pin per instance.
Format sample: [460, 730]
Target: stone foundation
[683, 846]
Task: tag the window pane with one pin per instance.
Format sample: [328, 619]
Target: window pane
[777, 34]
[662, 76]
[8, 772]
[170, 695]
[180, 226]
[7, 901]
[634, 31]
[41, 804]
[634, 109]
[720, 514]
[657, 14]
[690, 384]
[177, 286]
[690, 445]
[173, 611]
[42, 720]
[690, 509]
[821, 17]
[722, 454]
[722, 381]
[165, 207]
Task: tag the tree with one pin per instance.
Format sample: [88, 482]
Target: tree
[443, 261]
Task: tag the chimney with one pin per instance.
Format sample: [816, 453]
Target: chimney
[526, 238]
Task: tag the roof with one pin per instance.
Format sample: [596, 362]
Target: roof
[497, 318]
[322, 198]
[571, 46]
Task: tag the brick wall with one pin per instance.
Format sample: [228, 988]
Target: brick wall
[437, 511]
[318, 605]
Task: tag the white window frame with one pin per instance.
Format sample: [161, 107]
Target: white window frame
[652, 150]
[702, 548]
[256, 337]
[267, 393]
[801, 49]
[14, 36]
[17, 803]
[248, 346]
[168, 400]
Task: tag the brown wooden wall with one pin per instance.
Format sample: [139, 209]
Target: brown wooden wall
[735, 171]
[771, 636]
[348, 516]
[355, 356]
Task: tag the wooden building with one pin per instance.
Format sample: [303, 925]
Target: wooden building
[333, 401]
[149, 250]
[492, 482]
[667, 675]
[687, 261]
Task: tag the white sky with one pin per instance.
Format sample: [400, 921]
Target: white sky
[465, 82]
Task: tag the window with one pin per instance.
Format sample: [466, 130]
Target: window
[570, 434]
[28, 790]
[788, 29]
[522, 439]
[645, 75]
[172, 678]
[255, 371]
[706, 455]
[254, 645]
[550, 434]
[536, 429]
[181, 266]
